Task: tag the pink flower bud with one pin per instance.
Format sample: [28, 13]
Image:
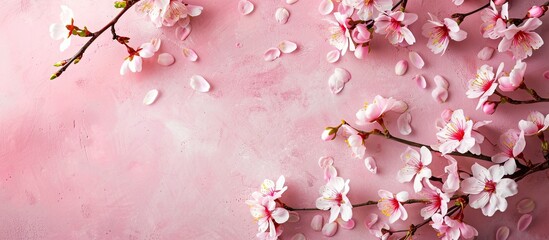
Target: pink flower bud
[361, 34]
[329, 134]
[361, 51]
[446, 114]
[489, 107]
[499, 2]
[535, 12]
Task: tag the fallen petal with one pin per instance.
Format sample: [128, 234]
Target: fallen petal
[291, 1]
[420, 81]
[439, 94]
[336, 84]
[502, 233]
[156, 42]
[486, 53]
[287, 46]
[150, 97]
[329, 229]
[325, 161]
[316, 223]
[326, 7]
[526, 205]
[346, 225]
[245, 7]
[182, 33]
[416, 60]
[165, 59]
[546, 74]
[282, 15]
[294, 217]
[524, 222]
[299, 236]
[333, 56]
[401, 67]
[343, 73]
[271, 54]
[189, 54]
[441, 82]
[370, 164]
[198, 83]
[403, 123]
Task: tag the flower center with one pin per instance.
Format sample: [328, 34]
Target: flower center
[522, 39]
[394, 25]
[490, 186]
[339, 199]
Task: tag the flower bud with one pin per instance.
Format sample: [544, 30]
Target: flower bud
[535, 12]
[499, 2]
[489, 107]
[329, 134]
[120, 4]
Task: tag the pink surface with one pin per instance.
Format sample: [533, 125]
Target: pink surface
[82, 158]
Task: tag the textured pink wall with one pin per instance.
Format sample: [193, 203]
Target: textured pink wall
[82, 158]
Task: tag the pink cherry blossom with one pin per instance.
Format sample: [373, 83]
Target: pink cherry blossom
[452, 229]
[451, 184]
[484, 84]
[361, 34]
[167, 12]
[367, 9]
[514, 79]
[391, 205]
[267, 213]
[334, 198]
[512, 144]
[536, 11]
[340, 36]
[134, 61]
[63, 30]
[488, 189]
[375, 226]
[440, 33]
[494, 22]
[271, 190]
[534, 124]
[438, 201]
[395, 26]
[355, 141]
[521, 41]
[456, 134]
[415, 166]
[374, 111]
[267, 235]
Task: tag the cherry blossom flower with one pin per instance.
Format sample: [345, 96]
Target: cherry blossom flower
[494, 22]
[368, 8]
[438, 201]
[355, 141]
[361, 34]
[271, 190]
[416, 166]
[451, 185]
[534, 124]
[440, 33]
[456, 134]
[484, 84]
[395, 26]
[374, 111]
[514, 79]
[457, 2]
[334, 198]
[512, 144]
[64, 29]
[521, 40]
[267, 235]
[167, 12]
[488, 189]
[391, 205]
[266, 213]
[375, 226]
[135, 60]
[452, 229]
[340, 36]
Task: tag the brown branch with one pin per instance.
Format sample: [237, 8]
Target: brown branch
[367, 203]
[461, 16]
[537, 98]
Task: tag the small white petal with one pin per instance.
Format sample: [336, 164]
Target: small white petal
[299, 236]
[485, 53]
[245, 7]
[440, 95]
[441, 82]
[325, 161]
[156, 42]
[329, 229]
[316, 223]
[401, 67]
[502, 233]
[371, 164]
[416, 60]
[526, 205]
[282, 15]
[343, 74]
[333, 56]
[271, 54]
[198, 83]
[182, 33]
[150, 97]
[524, 222]
[403, 123]
[287, 46]
[291, 1]
[165, 59]
[189, 54]
[326, 7]
[420, 81]
[294, 217]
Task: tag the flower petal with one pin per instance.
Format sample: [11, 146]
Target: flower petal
[329, 229]
[189, 54]
[486, 53]
[282, 15]
[370, 164]
[439, 94]
[441, 82]
[416, 60]
[165, 59]
[316, 222]
[182, 33]
[198, 83]
[326, 7]
[502, 233]
[420, 81]
[245, 7]
[150, 97]
[271, 54]
[403, 123]
[287, 46]
[401, 67]
[333, 56]
[524, 222]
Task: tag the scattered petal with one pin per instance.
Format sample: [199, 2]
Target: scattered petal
[325, 161]
[291, 1]
[326, 7]
[189, 54]
[182, 33]
[416, 60]
[282, 15]
[316, 223]
[338, 79]
[271, 54]
[524, 222]
[370, 164]
[156, 42]
[150, 97]
[440, 94]
[245, 7]
[287, 46]
[299, 236]
[329, 229]
[294, 217]
[441, 82]
[502, 233]
[526, 205]
[403, 123]
[198, 83]
[546, 74]
[401, 67]
[486, 53]
[343, 73]
[420, 81]
[165, 59]
[346, 224]
[333, 56]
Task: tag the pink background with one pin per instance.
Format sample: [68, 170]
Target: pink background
[82, 158]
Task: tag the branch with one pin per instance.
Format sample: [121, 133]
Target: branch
[537, 98]
[95, 35]
[367, 203]
[461, 16]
